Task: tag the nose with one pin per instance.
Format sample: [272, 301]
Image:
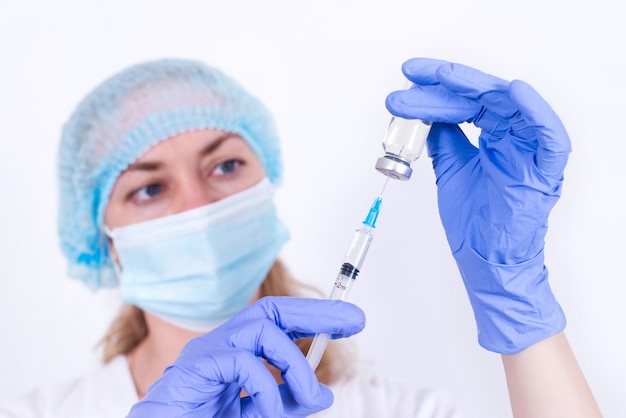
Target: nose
[192, 191]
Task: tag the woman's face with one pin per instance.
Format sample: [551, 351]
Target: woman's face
[184, 172]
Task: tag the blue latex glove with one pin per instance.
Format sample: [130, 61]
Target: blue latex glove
[207, 377]
[494, 200]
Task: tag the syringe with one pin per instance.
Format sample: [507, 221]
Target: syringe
[347, 275]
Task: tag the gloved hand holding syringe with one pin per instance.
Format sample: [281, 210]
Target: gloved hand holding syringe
[403, 144]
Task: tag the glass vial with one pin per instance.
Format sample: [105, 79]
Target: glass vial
[403, 144]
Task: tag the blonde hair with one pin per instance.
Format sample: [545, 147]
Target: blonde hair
[129, 329]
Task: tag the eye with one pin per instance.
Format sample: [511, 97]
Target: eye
[226, 167]
[148, 192]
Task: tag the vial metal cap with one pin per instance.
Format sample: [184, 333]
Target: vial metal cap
[394, 167]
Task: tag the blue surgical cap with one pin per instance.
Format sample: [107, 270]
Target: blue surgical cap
[119, 121]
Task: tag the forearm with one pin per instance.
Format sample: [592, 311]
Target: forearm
[545, 380]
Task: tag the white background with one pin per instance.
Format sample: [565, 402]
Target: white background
[324, 69]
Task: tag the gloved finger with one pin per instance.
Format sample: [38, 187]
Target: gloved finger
[554, 144]
[211, 382]
[422, 71]
[492, 92]
[302, 317]
[292, 408]
[245, 368]
[432, 103]
[241, 344]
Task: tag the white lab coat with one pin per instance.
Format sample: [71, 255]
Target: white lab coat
[109, 392]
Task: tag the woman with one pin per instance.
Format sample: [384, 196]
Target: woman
[494, 202]
[167, 172]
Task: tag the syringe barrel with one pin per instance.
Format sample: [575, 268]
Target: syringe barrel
[352, 263]
[343, 284]
[358, 247]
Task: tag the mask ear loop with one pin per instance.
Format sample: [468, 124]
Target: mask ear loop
[108, 238]
[108, 232]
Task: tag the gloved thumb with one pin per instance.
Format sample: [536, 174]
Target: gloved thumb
[449, 149]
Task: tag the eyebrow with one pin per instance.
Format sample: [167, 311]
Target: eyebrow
[217, 143]
[152, 166]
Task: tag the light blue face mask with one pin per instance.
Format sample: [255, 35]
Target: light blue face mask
[197, 268]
